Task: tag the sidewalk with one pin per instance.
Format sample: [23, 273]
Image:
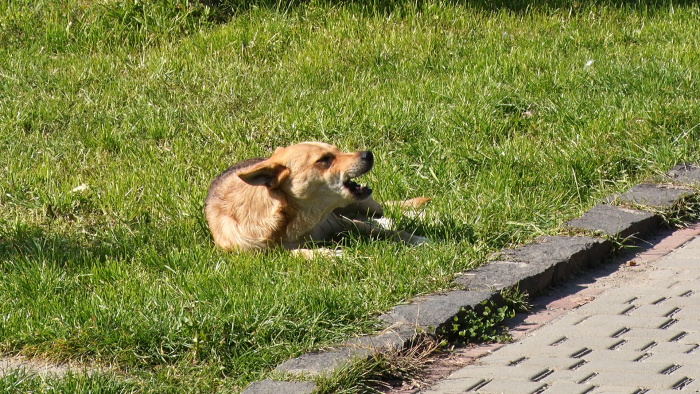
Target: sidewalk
[630, 327]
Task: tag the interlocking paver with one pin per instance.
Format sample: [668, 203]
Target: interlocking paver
[661, 310]
[632, 379]
[555, 363]
[454, 386]
[569, 376]
[493, 372]
[682, 263]
[555, 330]
[626, 321]
[613, 355]
[652, 333]
[568, 388]
[687, 314]
[694, 244]
[613, 390]
[604, 308]
[680, 359]
[624, 366]
[505, 386]
[687, 325]
[692, 301]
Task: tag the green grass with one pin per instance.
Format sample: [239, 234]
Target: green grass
[491, 111]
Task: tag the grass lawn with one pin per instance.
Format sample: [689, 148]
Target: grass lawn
[115, 116]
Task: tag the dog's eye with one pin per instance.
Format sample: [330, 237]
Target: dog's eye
[325, 161]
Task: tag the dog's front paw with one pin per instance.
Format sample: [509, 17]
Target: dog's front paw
[311, 254]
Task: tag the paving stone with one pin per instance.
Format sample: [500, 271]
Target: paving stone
[660, 310]
[612, 355]
[686, 325]
[691, 338]
[617, 221]
[576, 376]
[682, 302]
[652, 195]
[612, 390]
[555, 363]
[651, 333]
[684, 253]
[500, 386]
[679, 263]
[492, 372]
[602, 307]
[624, 321]
[275, 387]
[453, 386]
[680, 359]
[691, 387]
[632, 380]
[576, 331]
[595, 343]
[644, 295]
[517, 349]
[691, 371]
[685, 173]
[624, 366]
[568, 388]
[693, 245]
[437, 311]
[640, 344]
[322, 362]
[687, 313]
[672, 348]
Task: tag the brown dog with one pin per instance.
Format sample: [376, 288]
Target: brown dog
[303, 193]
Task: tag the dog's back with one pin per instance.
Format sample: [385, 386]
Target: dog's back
[240, 215]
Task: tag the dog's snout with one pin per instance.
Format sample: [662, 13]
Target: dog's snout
[367, 156]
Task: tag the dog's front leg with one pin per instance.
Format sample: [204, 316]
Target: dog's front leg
[372, 231]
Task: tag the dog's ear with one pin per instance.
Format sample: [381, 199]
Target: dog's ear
[265, 173]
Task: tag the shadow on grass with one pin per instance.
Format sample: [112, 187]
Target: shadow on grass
[24, 242]
[225, 9]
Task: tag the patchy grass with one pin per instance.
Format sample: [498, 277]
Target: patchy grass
[115, 115]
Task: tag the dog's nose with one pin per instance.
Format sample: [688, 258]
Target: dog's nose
[367, 155]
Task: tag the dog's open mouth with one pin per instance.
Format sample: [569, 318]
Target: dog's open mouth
[358, 191]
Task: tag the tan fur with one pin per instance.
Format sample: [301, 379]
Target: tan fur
[294, 197]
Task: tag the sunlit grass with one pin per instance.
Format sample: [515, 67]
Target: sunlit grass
[112, 126]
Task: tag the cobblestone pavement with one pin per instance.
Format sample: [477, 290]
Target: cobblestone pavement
[637, 331]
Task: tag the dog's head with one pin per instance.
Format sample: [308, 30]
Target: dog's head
[313, 173]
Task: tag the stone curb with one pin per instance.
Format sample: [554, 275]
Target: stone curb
[532, 268]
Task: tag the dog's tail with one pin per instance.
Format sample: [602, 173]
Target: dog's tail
[413, 203]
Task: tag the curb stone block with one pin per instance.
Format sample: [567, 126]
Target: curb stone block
[320, 363]
[536, 266]
[656, 196]
[432, 313]
[498, 275]
[618, 221]
[685, 173]
[276, 387]
[397, 336]
[567, 255]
